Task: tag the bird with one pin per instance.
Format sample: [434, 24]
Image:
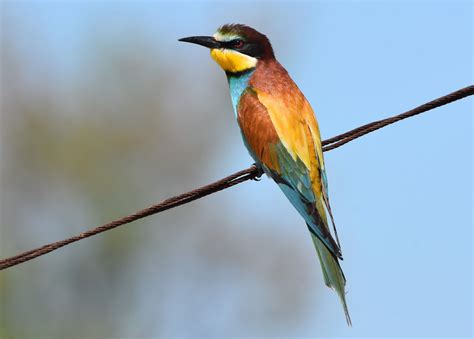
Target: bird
[281, 133]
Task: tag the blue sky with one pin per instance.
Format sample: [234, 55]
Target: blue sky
[402, 196]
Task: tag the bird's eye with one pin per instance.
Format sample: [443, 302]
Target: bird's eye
[237, 43]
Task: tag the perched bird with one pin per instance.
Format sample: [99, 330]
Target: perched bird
[281, 133]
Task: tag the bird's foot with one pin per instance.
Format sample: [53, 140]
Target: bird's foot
[260, 172]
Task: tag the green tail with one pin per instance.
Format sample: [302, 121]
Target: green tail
[333, 275]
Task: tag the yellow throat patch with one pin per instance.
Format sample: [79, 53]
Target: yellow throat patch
[232, 61]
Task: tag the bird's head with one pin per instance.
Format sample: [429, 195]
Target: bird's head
[235, 47]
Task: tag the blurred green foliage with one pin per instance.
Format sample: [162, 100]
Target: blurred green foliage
[115, 134]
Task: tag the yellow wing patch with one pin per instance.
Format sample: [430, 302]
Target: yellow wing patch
[232, 61]
[296, 126]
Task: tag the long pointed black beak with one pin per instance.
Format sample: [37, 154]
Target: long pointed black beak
[206, 41]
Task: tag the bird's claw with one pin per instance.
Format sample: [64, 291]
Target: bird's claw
[258, 175]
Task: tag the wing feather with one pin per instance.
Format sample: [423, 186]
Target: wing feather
[283, 136]
[280, 130]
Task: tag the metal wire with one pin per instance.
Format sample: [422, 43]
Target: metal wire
[252, 172]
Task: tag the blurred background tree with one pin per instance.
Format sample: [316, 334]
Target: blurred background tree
[111, 131]
[104, 113]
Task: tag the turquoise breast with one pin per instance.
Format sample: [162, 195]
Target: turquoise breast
[237, 85]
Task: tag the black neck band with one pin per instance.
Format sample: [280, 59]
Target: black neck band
[239, 74]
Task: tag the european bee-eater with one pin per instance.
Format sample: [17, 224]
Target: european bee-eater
[281, 133]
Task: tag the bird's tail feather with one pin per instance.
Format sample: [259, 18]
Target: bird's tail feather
[333, 275]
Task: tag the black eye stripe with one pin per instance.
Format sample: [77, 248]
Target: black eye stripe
[236, 43]
[245, 47]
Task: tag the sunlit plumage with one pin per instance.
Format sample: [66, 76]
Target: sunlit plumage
[281, 133]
